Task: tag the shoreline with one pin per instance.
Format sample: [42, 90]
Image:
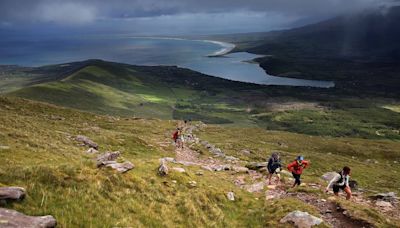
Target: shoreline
[226, 47]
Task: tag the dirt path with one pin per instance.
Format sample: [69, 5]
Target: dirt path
[253, 180]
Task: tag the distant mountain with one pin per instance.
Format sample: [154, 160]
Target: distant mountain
[370, 34]
[358, 52]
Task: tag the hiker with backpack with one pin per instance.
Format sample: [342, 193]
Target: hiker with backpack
[297, 167]
[341, 181]
[274, 167]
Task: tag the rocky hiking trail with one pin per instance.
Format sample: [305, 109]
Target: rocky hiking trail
[254, 180]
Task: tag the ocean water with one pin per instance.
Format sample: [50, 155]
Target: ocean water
[192, 54]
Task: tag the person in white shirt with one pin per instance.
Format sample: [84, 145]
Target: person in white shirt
[341, 181]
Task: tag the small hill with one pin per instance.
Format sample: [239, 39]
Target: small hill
[168, 92]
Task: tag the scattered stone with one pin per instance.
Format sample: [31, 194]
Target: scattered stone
[179, 170]
[199, 173]
[4, 147]
[240, 169]
[192, 184]
[163, 169]
[208, 168]
[332, 198]
[239, 181]
[174, 181]
[301, 219]
[87, 142]
[385, 206]
[256, 165]
[272, 187]
[53, 117]
[168, 159]
[257, 187]
[92, 151]
[108, 156]
[231, 196]
[245, 151]
[12, 193]
[120, 167]
[231, 158]
[11, 218]
[388, 197]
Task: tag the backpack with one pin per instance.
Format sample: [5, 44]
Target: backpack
[341, 178]
[175, 135]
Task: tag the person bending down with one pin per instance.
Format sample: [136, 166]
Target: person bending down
[274, 167]
[297, 167]
[341, 181]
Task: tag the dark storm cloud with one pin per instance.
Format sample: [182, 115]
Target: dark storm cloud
[74, 11]
[172, 16]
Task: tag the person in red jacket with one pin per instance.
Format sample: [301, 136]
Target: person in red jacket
[297, 167]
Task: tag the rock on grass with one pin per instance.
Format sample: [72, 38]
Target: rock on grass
[301, 219]
[12, 193]
[10, 218]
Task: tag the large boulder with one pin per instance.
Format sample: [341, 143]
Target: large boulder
[301, 219]
[256, 165]
[10, 219]
[87, 142]
[120, 167]
[12, 193]
[108, 156]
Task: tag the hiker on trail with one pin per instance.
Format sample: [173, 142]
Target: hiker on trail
[274, 167]
[297, 167]
[341, 181]
[176, 136]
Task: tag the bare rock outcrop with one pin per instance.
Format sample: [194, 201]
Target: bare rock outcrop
[14, 219]
[12, 193]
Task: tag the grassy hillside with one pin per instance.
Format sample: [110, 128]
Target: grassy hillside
[61, 179]
[175, 93]
[40, 154]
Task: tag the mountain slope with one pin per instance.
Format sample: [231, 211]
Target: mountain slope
[39, 153]
[360, 52]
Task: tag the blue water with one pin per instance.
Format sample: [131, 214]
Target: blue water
[144, 51]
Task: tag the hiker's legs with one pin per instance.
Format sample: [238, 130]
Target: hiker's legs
[278, 177]
[297, 180]
[269, 178]
[347, 190]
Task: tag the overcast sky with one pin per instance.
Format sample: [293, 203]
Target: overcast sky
[150, 17]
